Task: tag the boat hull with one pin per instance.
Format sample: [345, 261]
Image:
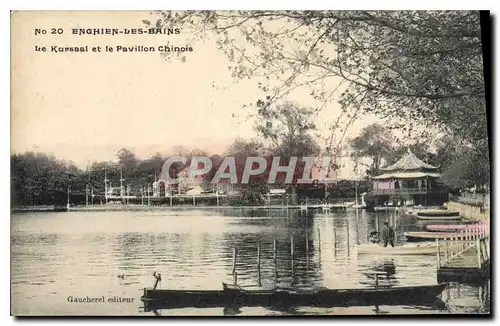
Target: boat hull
[272, 298]
[438, 214]
[453, 228]
[431, 236]
[440, 218]
[407, 249]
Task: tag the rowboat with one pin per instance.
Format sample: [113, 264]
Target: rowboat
[441, 218]
[453, 228]
[233, 295]
[438, 214]
[429, 236]
[406, 249]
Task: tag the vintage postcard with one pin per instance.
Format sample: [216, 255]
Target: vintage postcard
[250, 163]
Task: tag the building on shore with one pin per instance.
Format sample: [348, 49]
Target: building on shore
[409, 181]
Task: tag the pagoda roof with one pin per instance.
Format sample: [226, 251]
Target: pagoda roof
[409, 162]
[406, 175]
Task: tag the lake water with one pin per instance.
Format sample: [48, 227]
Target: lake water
[58, 255]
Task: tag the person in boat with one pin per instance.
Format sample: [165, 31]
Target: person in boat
[374, 237]
[388, 235]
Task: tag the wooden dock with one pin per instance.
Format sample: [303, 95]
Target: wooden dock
[467, 257]
[325, 208]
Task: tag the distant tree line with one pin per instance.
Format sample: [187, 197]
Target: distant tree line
[41, 179]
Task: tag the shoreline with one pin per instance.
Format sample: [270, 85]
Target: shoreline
[146, 208]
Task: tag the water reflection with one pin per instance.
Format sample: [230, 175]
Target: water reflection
[83, 253]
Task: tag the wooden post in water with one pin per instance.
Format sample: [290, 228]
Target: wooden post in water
[334, 241]
[234, 263]
[307, 242]
[447, 248]
[438, 254]
[460, 241]
[274, 248]
[357, 224]
[483, 254]
[451, 246]
[319, 241]
[487, 246]
[478, 249]
[465, 238]
[258, 254]
[347, 236]
[275, 263]
[258, 262]
[394, 223]
[307, 250]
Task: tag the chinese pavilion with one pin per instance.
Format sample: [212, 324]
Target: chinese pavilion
[409, 181]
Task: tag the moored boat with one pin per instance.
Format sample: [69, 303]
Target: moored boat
[232, 295]
[406, 249]
[430, 236]
[441, 218]
[438, 214]
[452, 227]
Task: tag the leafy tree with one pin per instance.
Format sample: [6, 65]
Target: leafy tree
[253, 191]
[41, 179]
[376, 143]
[289, 128]
[126, 159]
[420, 66]
[470, 167]
[251, 147]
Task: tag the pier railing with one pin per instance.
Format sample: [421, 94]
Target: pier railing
[406, 191]
[452, 246]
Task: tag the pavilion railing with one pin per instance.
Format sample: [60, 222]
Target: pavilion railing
[405, 191]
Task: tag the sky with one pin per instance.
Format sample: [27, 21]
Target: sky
[84, 107]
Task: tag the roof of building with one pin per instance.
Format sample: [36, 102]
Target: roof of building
[406, 175]
[409, 162]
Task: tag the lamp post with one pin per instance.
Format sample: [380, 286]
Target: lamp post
[106, 184]
[67, 204]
